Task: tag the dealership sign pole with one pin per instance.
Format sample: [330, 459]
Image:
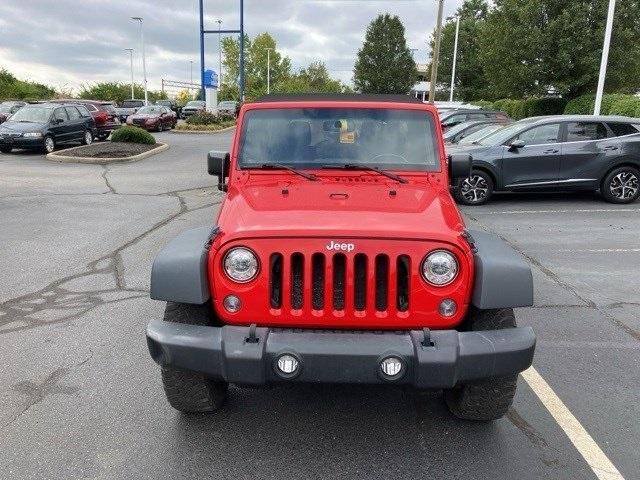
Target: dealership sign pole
[436, 55]
[605, 57]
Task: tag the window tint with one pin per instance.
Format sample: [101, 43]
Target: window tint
[579, 131]
[540, 135]
[91, 108]
[83, 111]
[620, 129]
[73, 113]
[58, 113]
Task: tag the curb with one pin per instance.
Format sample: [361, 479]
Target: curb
[57, 157]
[226, 129]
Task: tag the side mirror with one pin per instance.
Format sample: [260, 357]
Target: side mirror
[459, 167]
[219, 163]
[516, 144]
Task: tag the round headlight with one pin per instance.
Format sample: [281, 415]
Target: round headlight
[440, 268]
[241, 264]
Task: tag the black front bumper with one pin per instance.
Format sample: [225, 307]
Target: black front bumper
[329, 356]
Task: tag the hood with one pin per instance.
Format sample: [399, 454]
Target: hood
[348, 207]
[22, 127]
[470, 149]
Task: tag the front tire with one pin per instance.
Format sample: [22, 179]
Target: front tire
[187, 391]
[87, 138]
[6, 149]
[621, 185]
[49, 144]
[489, 399]
[475, 190]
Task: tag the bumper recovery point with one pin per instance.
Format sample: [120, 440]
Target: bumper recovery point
[331, 356]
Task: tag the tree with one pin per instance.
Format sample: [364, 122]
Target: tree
[13, 89]
[471, 83]
[117, 92]
[312, 79]
[384, 63]
[184, 96]
[531, 48]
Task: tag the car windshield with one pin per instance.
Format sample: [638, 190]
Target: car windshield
[453, 131]
[150, 110]
[479, 134]
[34, 113]
[132, 104]
[227, 104]
[502, 135]
[195, 103]
[5, 107]
[314, 138]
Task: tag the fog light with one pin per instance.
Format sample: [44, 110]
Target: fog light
[448, 308]
[231, 303]
[287, 364]
[391, 367]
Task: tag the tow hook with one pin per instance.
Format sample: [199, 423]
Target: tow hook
[426, 340]
[252, 338]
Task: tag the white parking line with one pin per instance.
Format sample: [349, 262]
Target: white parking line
[588, 448]
[589, 210]
[600, 250]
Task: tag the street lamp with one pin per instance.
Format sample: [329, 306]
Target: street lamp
[130, 50]
[268, 70]
[144, 60]
[605, 57]
[455, 57]
[191, 70]
[219, 53]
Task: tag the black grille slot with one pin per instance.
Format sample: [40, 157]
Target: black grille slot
[297, 280]
[275, 280]
[382, 282]
[317, 279]
[339, 270]
[360, 281]
[402, 276]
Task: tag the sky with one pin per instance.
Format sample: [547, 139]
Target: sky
[70, 43]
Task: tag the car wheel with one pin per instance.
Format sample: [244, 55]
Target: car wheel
[103, 136]
[5, 149]
[187, 391]
[475, 190]
[49, 144]
[160, 127]
[489, 399]
[621, 185]
[87, 138]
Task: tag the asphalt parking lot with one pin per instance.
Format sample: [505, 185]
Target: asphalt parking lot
[81, 398]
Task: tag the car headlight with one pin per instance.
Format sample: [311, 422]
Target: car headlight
[32, 134]
[241, 264]
[440, 268]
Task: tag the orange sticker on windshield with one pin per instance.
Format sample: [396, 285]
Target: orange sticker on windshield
[347, 137]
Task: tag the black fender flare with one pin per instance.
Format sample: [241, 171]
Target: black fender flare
[179, 271]
[503, 278]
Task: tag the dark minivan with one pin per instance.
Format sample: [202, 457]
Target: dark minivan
[44, 126]
[562, 152]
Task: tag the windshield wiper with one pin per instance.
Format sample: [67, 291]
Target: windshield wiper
[353, 166]
[279, 166]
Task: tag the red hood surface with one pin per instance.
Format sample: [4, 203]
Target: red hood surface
[349, 206]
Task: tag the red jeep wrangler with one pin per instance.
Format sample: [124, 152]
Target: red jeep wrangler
[340, 256]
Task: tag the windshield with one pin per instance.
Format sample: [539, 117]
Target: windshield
[151, 110]
[227, 104]
[5, 107]
[195, 103]
[480, 134]
[313, 138]
[132, 103]
[502, 135]
[166, 103]
[453, 131]
[32, 114]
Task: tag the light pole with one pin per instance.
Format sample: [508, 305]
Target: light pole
[191, 70]
[268, 70]
[436, 55]
[144, 60]
[605, 57]
[455, 57]
[130, 50]
[219, 53]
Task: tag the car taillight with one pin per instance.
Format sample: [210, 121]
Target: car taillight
[102, 117]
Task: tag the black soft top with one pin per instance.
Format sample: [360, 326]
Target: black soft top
[337, 97]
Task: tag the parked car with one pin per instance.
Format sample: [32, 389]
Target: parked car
[128, 107]
[339, 256]
[194, 106]
[568, 152]
[464, 129]
[170, 104]
[227, 108]
[153, 117]
[9, 108]
[452, 118]
[44, 126]
[104, 114]
[475, 137]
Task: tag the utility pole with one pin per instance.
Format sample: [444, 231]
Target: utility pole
[436, 54]
[144, 61]
[268, 70]
[219, 53]
[455, 57]
[605, 57]
[191, 71]
[130, 50]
